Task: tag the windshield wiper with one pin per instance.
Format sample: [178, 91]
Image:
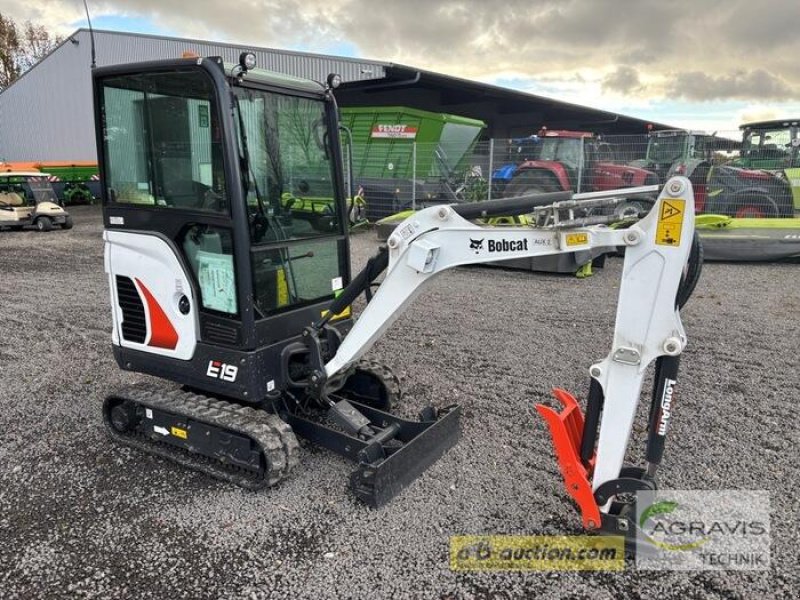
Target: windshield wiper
[267, 219]
[244, 160]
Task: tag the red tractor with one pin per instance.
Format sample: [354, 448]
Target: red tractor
[560, 160]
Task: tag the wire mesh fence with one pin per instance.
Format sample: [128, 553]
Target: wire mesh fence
[757, 178]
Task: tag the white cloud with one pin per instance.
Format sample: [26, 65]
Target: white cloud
[605, 53]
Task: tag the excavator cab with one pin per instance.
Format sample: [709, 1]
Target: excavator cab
[196, 160]
[216, 273]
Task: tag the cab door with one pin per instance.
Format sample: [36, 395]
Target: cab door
[169, 250]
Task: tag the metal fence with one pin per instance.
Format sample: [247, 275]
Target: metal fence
[754, 182]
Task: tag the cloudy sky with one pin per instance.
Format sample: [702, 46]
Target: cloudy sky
[693, 63]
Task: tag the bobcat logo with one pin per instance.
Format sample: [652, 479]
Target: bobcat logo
[476, 244]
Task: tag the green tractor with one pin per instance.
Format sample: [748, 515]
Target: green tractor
[682, 152]
[75, 182]
[678, 152]
[774, 146]
[765, 180]
[770, 145]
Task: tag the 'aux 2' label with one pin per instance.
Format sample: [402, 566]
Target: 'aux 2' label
[670, 222]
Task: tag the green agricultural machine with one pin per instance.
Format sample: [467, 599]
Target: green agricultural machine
[73, 182]
[401, 155]
[678, 152]
[765, 180]
[396, 157]
[770, 145]
[774, 146]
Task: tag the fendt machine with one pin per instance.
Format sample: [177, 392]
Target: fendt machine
[217, 287]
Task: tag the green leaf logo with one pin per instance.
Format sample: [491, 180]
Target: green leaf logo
[659, 508]
[665, 507]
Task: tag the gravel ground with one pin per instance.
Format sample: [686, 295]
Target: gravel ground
[82, 517]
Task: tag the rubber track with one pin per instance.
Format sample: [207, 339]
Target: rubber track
[275, 437]
[386, 375]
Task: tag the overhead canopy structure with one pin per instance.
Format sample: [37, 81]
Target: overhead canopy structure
[507, 113]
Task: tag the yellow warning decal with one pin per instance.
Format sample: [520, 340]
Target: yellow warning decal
[577, 239]
[670, 222]
[178, 433]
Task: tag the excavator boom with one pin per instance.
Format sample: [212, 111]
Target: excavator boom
[648, 328]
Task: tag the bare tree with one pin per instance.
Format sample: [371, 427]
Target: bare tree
[21, 47]
[9, 49]
[36, 43]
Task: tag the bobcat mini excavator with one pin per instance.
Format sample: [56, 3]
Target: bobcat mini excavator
[216, 286]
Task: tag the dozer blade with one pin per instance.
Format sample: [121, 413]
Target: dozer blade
[399, 452]
[375, 483]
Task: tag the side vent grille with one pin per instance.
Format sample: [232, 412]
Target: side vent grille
[220, 333]
[134, 324]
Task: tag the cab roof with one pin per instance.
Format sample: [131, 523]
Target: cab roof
[677, 132]
[230, 70]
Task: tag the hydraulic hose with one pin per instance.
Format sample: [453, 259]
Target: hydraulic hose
[692, 275]
[504, 207]
[375, 266]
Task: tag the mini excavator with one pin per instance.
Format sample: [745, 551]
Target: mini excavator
[219, 285]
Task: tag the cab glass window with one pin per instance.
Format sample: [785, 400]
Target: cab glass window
[303, 273]
[209, 251]
[286, 152]
[162, 141]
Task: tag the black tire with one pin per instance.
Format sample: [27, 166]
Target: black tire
[43, 224]
[755, 207]
[630, 208]
[67, 224]
[531, 183]
[324, 224]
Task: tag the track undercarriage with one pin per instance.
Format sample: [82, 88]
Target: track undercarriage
[257, 447]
